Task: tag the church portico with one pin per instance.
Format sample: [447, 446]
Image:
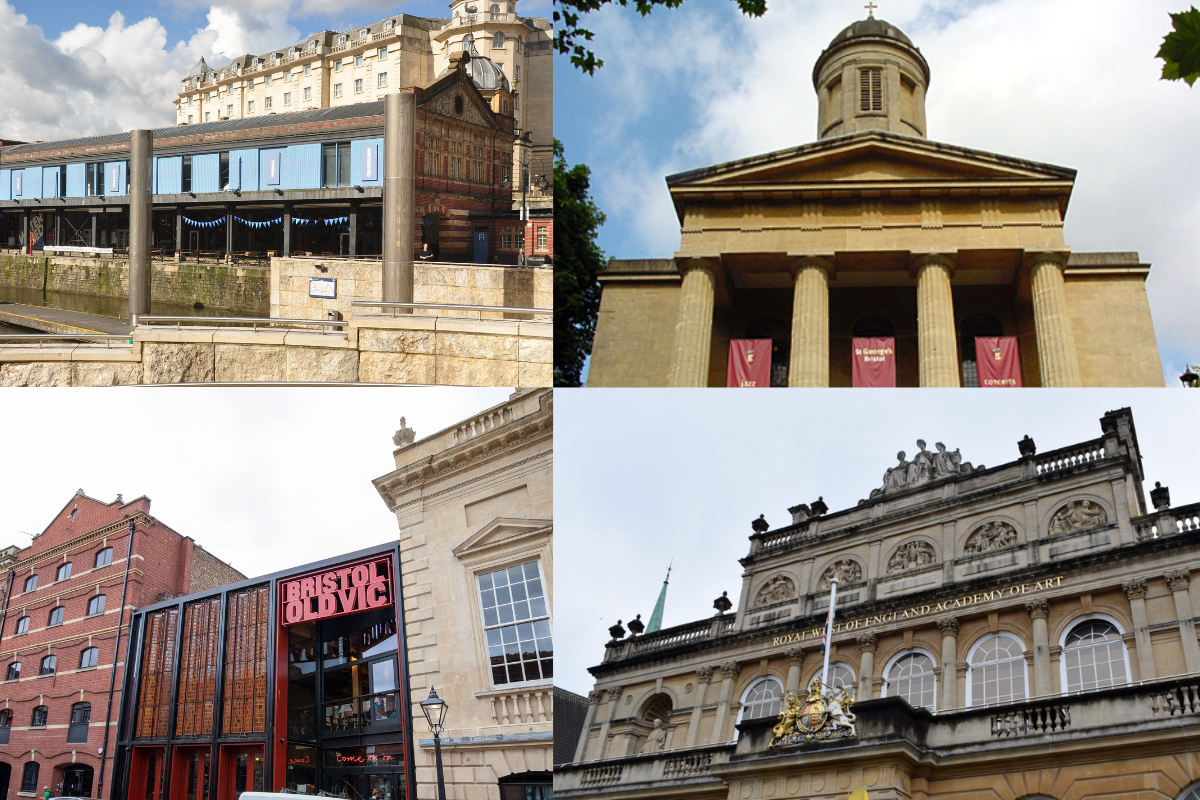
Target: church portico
[947, 244]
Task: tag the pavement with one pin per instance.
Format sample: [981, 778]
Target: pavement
[57, 320]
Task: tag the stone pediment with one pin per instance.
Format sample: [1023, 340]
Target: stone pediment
[871, 161]
[502, 531]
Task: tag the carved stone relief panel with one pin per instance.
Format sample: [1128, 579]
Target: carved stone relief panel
[846, 571]
[1077, 514]
[775, 590]
[991, 536]
[910, 555]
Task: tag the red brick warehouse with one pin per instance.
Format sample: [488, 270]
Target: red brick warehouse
[59, 625]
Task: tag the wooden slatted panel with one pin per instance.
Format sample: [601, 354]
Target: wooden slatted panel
[246, 662]
[197, 672]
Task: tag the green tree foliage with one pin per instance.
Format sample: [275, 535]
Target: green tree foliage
[1180, 49]
[572, 39]
[577, 260]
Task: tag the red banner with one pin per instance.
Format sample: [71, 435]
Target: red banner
[998, 361]
[874, 362]
[749, 363]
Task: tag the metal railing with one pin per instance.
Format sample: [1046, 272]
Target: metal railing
[451, 307]
[364, 711]
[252, 322]
[39, 338]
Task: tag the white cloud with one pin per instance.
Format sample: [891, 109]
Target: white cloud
[1071, 82]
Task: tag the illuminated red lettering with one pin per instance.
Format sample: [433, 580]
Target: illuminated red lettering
[294, 611]
[329, 582]
[381, 572]
[361, 575]
[293, 591]
[327, 605]
[308, 587]
[345, 576]
[309, 611]
[347, 597]
[377, 595]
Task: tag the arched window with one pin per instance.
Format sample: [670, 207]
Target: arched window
[997, 666]
[23, 625]
[29, 778]
[39, 716]
[14, 671]
[763, 698]
[495, 8]
[1191, 793]
[498, 40]
[31, 583]
[64, 571]
[911, 677]
[104, 557]
[842, 676]
[89, 657]
[96, 605]
[49, 664]
[1094, 657]
[6, 718]
[976, 325]
[81, 715]
[56, 615]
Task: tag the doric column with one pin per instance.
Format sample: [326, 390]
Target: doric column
[866, 667]
[593, 703]
[703, 676]
[693, 323]
[1039, 612]
[936, 345]
[1057, 359]
[1178, 580]
[1135, 590]
[795, 658]
[729, 673]
[949, 627]
[809, 362]
[614, 694]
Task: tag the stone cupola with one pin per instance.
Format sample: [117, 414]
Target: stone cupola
[870, 77]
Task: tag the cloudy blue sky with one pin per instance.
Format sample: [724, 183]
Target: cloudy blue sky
[1068, 82]
[645, 477]
[72, 67]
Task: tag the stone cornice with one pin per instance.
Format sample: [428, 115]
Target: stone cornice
[53, 553]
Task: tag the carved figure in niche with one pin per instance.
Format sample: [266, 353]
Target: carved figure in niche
[846, 571]
[1078, 514]
[656, 739]
[911, 555]
[896, 477]
[991, 536]
[773, 591]
[921, 468]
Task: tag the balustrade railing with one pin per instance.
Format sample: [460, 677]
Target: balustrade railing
[602, 776]
[364, 711]
[1069, 457]
[1181, 699]
[1187, 518]
[687, 765]
[1043, 718]
[522, 707]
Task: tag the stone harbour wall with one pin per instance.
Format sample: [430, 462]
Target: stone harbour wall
[449, 351]
[433, 282]
[215, 285]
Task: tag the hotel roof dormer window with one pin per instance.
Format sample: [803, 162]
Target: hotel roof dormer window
[343, 39]
[312, 44]
[389, 25]
[363, 33]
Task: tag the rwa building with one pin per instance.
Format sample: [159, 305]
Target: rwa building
[939, 258]
[1024, 630]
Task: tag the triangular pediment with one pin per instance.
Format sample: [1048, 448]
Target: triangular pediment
[503, 531]
[869, 161]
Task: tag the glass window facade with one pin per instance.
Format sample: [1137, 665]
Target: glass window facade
[516, 622]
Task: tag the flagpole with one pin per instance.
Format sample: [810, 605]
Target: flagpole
[828, 634]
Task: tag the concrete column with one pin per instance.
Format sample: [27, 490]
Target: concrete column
[141, 151]
[287, 230]
[693, 323]
[936, 340]
[178, 235]
[949, 698]
[703, 676]
[1039, 613]
[58, 228]
[593, 702]
[94, 220]
[228, 231]
[866, 666]
[1178, 580]
[722, 725]
[353, 229]
[1135, 590]
[399, 156]
[808, 365]
[795, 658]
[1057, 358]
[614, 694]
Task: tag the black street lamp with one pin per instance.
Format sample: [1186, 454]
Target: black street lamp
[1189, 379]
[434, 710]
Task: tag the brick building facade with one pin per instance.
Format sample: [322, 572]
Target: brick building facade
[57, 638]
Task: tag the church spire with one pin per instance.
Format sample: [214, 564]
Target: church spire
[656, 617]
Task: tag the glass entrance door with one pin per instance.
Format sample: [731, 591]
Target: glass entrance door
[363, 785]
[382, 786]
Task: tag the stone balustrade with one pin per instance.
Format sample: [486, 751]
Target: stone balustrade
[521, 707]
[1070, 457]
[667, 768]
[1039, 718]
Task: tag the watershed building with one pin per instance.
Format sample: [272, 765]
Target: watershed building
[1026, 630]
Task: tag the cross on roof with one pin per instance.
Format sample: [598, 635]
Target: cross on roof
[870, 7]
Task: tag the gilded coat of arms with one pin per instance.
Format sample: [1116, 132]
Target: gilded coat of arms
[823, 716]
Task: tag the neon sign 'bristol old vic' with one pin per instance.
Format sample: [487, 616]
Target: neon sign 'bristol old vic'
[343, 591]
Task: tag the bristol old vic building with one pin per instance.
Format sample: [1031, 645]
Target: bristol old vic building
[875, 231]
[1025, 630]
[58, 637]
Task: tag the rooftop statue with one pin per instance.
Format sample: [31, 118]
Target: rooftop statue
[405, 436]
[924, 467]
